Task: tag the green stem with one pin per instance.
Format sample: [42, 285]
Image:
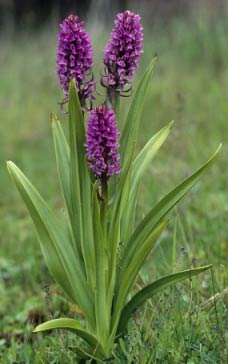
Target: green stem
[104, 264]
[117, 105]
[104, 196]
[113, 100]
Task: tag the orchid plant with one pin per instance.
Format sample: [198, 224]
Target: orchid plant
[96, 252]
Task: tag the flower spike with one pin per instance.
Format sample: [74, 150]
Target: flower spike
[74, 59]
[102, 142]
[123, 51]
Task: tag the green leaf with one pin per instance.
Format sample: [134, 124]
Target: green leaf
[117, 212]
[102, 310]
[127, 276]
[160, 210]
[119, 205]
[131, 127]
[140, 165]
[143, 160]
[62, 152]
[74, 326]
[62, 260]
[152, 289]
[81, 186]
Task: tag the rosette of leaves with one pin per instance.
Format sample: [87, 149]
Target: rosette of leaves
[83, 253]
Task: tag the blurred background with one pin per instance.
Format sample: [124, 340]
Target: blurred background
[189, 85]
[36, 13]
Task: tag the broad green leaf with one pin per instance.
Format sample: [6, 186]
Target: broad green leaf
[160, 210]
[140, 165]
[117, 212]
[61, 259]
[152, 289]
[62, 153]
[128, 275]
[131, 127]
[81, 186]
[74, 326]
[120, 202]
[102, 311]
[146, 155]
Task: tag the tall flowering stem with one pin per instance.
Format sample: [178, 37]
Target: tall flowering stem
[74, 59]
[122, 53]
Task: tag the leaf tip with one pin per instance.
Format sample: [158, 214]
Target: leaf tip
[54, 118]
[38, 328]
[208, 266]
[171, 124]
[152, 63]
[216, 153]
[155, 57]
[72, 86]
[9, 164]
[219, 148]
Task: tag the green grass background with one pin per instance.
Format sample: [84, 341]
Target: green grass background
[189, 85]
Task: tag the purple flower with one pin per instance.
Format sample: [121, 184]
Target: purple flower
[74, 58]
[123, 51]
[102, 142]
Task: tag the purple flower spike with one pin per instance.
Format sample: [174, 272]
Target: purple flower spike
[102, 142]
[123, 51]
[74, 58]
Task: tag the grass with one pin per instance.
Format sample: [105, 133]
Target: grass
[190, 86]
